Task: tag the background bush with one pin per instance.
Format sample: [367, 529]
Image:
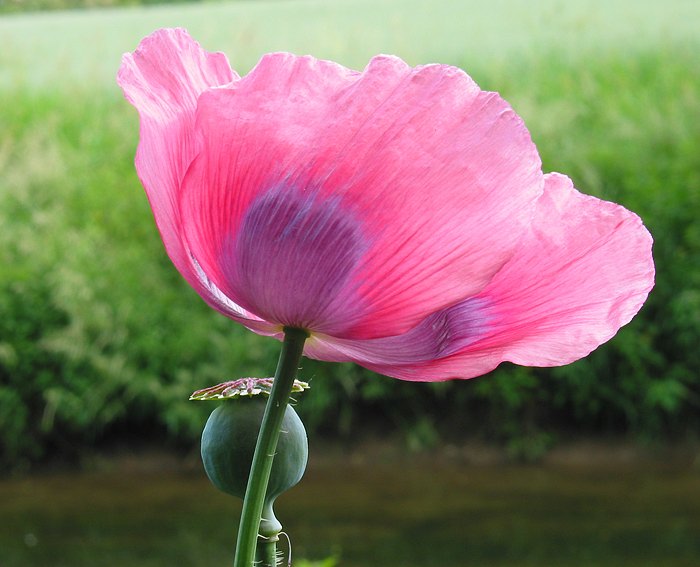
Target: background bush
[101, 339]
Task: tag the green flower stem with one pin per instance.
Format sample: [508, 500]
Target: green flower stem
[287, 367]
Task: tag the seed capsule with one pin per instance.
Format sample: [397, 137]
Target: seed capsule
[228, 444]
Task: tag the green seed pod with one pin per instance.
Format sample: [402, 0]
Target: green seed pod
[228, 444]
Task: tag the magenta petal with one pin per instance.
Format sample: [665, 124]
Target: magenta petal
[439, 335]
[438, 177]
[398, 214]
[163, 79]
[584, 269]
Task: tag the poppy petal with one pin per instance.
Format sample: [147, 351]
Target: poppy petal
[584, 270]
[428, 181]
[163, 79]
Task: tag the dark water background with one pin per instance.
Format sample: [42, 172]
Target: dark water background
[368, 511]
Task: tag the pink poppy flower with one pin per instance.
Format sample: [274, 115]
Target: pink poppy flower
[399, 214]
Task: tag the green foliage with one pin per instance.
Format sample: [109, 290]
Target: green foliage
[97, 331]
[99, 335]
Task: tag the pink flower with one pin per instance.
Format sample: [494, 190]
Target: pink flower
[400, 214]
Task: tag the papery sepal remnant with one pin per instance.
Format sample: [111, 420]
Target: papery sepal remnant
[243, 387]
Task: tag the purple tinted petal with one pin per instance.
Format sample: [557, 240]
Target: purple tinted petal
[226, 306]
[439, 335]
[583, 270]
[292, 258]
[442, 176]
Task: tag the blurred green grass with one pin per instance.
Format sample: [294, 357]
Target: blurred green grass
[61, 49]
[99, 336]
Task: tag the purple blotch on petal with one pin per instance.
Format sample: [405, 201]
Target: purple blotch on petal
[292, 259]
[441, 334]
[457, 327]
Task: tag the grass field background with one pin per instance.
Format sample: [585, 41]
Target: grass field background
[58, 49]
[100, 338]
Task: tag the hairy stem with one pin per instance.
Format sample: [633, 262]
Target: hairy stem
[267, 555]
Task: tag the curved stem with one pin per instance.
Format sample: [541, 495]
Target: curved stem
[287, 367]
